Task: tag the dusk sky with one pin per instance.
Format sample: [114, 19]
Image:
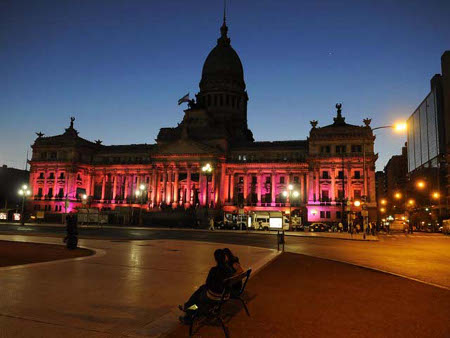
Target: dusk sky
[119, 67]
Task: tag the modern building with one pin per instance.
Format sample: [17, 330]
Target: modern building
[328, 170]
[429, 139]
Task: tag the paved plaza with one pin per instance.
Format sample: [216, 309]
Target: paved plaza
[129, 288]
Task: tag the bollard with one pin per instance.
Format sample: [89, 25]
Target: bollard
[280, 240]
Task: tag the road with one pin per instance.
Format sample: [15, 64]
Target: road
[423, 257]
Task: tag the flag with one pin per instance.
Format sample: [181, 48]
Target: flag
[185, 98]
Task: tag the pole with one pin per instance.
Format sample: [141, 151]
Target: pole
[22, 218]
[290, 210]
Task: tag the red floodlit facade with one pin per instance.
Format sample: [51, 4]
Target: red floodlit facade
[331, 168]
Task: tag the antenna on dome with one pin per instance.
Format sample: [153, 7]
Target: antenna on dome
[224, 11]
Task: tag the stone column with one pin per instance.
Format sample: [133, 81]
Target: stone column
[231, 194]
[223, 194]
[164, 184]
[288, 181]
[175, 188]
[310, 184]
[258, 186]
[273, 187]
[317, 184]
[245, 187]
[188, 186]
[305, 188]
[333, 183]
[153, 185]
[158, 186]
[114, 182]
[125, 186]
[103, 187]
[168, 188]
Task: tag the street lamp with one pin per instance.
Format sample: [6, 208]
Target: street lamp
[383, 202]
[207, 170]
[24, 192]
[420, 184]
[357, 203]
[398, 127]
[291, 193]
[140, 197]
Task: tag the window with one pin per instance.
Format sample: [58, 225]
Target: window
[241, 179]
[50, 192]
[341, 149]
[357, 174]
[41, 176]
[61, 193]
[281, 179]
[340, 174]
[322, 214]
[328, 214]
[78, 177]
[357, 194]
[325, 149]
[325, 196]
[39, 192]
[325, 174]
[53, 155]
[356, 148]
[51, 176]
[254, 180]
[296, 179]
[341, 194]
[338, 214]
[43, 156]
[268, 179]
[244, 157]
[61, 176]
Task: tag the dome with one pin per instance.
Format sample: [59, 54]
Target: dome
[222, 66]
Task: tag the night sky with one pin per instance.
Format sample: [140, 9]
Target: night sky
[119, 67]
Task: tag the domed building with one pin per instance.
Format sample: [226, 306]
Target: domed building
[210, 161]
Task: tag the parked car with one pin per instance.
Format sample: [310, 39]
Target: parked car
[318, 227]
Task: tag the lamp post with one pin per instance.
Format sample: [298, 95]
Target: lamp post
[291, 193]
[207, 170]
[24, 192]
[397, 127]
[140, 196]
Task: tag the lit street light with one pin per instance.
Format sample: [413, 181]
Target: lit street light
[24, 192]
[207, 170]
[420, 184]
[291, 193]
[140, 198]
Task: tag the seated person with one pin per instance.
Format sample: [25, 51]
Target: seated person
[209, 292]
[235, 267]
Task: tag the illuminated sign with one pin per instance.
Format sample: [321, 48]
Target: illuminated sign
[275, 223]
[3, 216]
[16, 216]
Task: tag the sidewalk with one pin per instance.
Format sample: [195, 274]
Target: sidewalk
[127, 289]
[335, 235]
[302, 296]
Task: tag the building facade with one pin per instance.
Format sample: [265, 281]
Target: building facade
[429, 139]
[331, 168]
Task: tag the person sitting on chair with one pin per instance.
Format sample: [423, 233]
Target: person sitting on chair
[235, 267]
[211, 291]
